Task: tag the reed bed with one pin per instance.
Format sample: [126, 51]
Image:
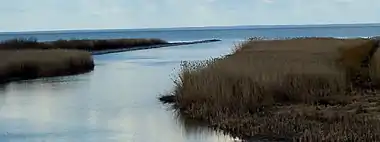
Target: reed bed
[301, 89]
[374, 69]
[31, 64]
[79, 44]
[26, 58]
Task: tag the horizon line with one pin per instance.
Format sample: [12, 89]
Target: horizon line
[194, 27]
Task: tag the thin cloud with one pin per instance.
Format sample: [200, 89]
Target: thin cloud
[22, 15]
[268, 1]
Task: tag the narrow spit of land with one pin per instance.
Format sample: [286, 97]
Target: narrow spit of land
[167, 44]
[29, 59]
[78, 44]
[301, 89]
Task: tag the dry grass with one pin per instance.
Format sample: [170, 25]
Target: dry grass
[295, 89]
[30, 64]
[96, 45]
[88, 45]
[28, 58]
[375, 69]
[21, 43]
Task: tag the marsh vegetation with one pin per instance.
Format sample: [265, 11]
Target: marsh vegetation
[78, 44]
[300, 89]
[31, 64]
[26, 58]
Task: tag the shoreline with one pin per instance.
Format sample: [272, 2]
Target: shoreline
[109, 51]
[78, 44]
[16, 79]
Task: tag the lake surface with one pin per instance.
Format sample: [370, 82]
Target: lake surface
[118, 100]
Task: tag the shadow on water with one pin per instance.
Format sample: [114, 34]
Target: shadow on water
[192, 126]
[3, 88]
[41, 136]
[61, 82]
[196, 128]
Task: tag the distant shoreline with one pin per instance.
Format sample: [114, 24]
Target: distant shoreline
[153, 46]
[195, 28]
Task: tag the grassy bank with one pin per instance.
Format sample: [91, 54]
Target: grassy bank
[88, 45]
[306, 89]
[31, 64]
[28, 59]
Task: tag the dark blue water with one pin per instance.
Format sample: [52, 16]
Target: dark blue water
[118, 100]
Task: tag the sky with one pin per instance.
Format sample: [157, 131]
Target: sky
[35, 15]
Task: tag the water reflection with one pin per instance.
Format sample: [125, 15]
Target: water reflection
[116, 102]
[195, 128]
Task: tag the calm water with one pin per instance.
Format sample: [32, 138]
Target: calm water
[118, 100]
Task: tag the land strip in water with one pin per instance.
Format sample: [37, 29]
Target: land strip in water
[78, 44]
[29, 59]
[153, 46]
[300, 89]
[31, 64]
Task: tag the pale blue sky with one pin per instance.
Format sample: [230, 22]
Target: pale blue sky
[31, 15]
